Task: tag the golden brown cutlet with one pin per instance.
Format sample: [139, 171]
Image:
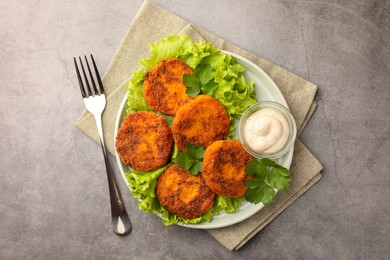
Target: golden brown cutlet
[164, 89]
[202, 121]
[223, 168]
[144, 141]
[182, 194]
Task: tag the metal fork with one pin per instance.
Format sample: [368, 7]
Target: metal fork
[95, 102]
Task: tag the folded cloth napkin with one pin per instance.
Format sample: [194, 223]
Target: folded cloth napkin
[152, 23]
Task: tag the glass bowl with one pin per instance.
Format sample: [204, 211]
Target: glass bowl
[268, 128]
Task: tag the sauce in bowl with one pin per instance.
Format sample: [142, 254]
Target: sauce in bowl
[267, 129]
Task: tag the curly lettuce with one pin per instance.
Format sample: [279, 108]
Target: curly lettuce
[233, 91]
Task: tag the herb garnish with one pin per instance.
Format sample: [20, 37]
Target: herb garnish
[268, 176]
[190, 160]
[202, 82]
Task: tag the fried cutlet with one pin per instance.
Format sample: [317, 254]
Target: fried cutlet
[182, 194]
[164, 89]
[223, 168]
[144, 141]
[202, 121]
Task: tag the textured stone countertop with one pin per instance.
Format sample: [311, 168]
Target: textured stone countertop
[53, 190]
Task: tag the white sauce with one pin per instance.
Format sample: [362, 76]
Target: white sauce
[266, 131]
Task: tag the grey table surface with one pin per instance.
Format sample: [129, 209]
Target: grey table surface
[53, 191]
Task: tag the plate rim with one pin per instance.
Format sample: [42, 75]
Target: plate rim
[256, 207]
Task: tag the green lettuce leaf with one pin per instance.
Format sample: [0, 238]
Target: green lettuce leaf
[135, 97]
[229, 205]
[143, 184]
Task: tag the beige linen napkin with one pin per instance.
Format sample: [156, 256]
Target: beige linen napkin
[298, 92]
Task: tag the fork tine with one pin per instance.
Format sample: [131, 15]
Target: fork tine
[98, 76]
[79, 78]
[90, 75]
[86, 79]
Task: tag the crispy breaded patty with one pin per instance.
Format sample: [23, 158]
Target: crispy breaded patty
[223, 168]
[182, 194]
[202, 121]
[144, 141]
[164, 89]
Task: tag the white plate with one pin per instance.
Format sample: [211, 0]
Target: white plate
[266, 90]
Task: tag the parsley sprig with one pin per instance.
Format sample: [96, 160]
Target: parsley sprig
[267, 177]
[202, 82]
[190, 160]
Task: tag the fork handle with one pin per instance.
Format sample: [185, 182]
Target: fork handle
[120, 220]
